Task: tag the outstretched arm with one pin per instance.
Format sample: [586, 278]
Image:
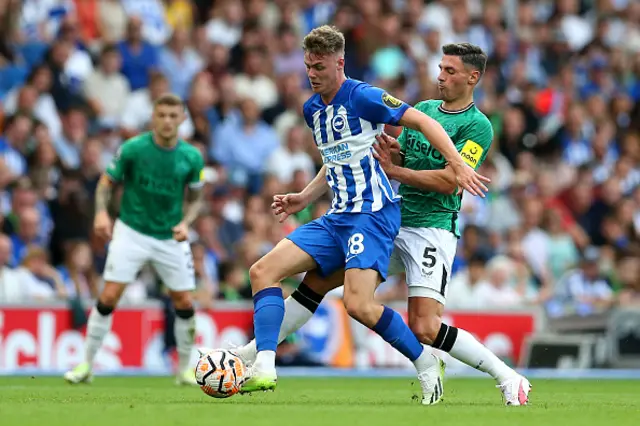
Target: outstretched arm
[442, 181]
[466, 177]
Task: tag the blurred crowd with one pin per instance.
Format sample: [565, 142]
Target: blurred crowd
[560, 227]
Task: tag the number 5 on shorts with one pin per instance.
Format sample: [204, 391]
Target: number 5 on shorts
[429, 258]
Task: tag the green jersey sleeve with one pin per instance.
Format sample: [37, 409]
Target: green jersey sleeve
[477, 138]
[196, 177]
[117, 169]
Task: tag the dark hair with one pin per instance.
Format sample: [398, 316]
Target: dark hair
[109, 48]
[470, 54]
[324, 40]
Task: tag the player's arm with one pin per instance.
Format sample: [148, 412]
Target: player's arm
[317, 187]
[286, 205]
[377, 106]
[104, 192]
[442, 181]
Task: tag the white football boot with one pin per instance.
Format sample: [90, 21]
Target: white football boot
[80, 374]
[515, 391]
[432, 383]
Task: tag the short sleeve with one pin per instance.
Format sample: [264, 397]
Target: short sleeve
[476, 141]
[377, 106]
[196, 178]
[116, 170]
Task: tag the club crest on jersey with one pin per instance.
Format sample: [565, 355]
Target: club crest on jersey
[390, 101]
[339, 123]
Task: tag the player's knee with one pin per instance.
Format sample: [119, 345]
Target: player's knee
[361, 309]
[259, 275]
[425, 328]
[108, 300]
[182, 301]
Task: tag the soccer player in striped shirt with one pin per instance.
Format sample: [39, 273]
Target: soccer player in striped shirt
[357, 234]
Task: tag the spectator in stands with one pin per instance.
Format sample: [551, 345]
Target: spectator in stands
[42, 281]
[505, 285]
[43, 163]
[44, 108]
[461, 291]
[27, 234]
[112, 21]
[179, 62]
[246, 144]
[11, 289]
[584, 290]
[234, 285]
[137, 112]
[75, 128]
[629, 277]
[18, 129]
[285, 160]
[139, 57]
[106, 89]
[206, 286]
[253, 82]
[78, 275]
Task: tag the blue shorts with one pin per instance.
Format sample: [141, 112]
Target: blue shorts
[350, 240]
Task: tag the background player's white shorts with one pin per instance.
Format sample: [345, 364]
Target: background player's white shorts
[426, 255]
[130, 250]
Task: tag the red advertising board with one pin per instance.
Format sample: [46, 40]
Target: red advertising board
[42, 338]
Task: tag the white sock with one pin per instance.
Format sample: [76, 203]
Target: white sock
[98, 326]
[265, 361]
[473, 353]
[185, 332]
[426, 360]
[295, 316]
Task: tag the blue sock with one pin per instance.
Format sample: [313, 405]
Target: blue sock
[268, 313]
[393, 329]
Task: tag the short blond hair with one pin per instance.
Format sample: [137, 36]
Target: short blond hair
[324, 40]
[169, 99]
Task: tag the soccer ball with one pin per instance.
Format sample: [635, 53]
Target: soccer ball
[221, 373]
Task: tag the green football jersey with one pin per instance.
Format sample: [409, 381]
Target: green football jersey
[154, 180]
[471, 132]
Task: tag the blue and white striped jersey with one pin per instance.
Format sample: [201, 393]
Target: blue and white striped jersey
[345, 131]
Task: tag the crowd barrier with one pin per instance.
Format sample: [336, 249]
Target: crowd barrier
[41, 338]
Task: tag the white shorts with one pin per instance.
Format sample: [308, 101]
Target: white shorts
[426, 255]
[130, 250]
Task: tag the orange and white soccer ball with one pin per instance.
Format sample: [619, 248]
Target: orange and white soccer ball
[220, 373]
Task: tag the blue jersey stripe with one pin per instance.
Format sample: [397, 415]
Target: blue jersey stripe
[337, 202]
[367, 194]
[323, 129]
[388, 190]
[351, 186]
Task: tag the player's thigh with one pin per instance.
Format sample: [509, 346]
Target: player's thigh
[368, 240]
[317, 241]
[427, 255]
[173, 262]
[127, 253]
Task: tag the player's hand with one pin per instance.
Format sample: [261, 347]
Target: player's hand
[284, 206]
[102, 225]
[384, 151]
[180, 232]
[468, 179]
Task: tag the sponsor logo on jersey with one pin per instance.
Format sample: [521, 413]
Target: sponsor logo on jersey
[471, 153]
[416, 145]
[390, 101]
[339, 123]
[335, 153]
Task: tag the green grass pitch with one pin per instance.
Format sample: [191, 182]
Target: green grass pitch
[313, 401]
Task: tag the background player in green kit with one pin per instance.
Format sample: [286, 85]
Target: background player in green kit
[154, 169]
[426, 245]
